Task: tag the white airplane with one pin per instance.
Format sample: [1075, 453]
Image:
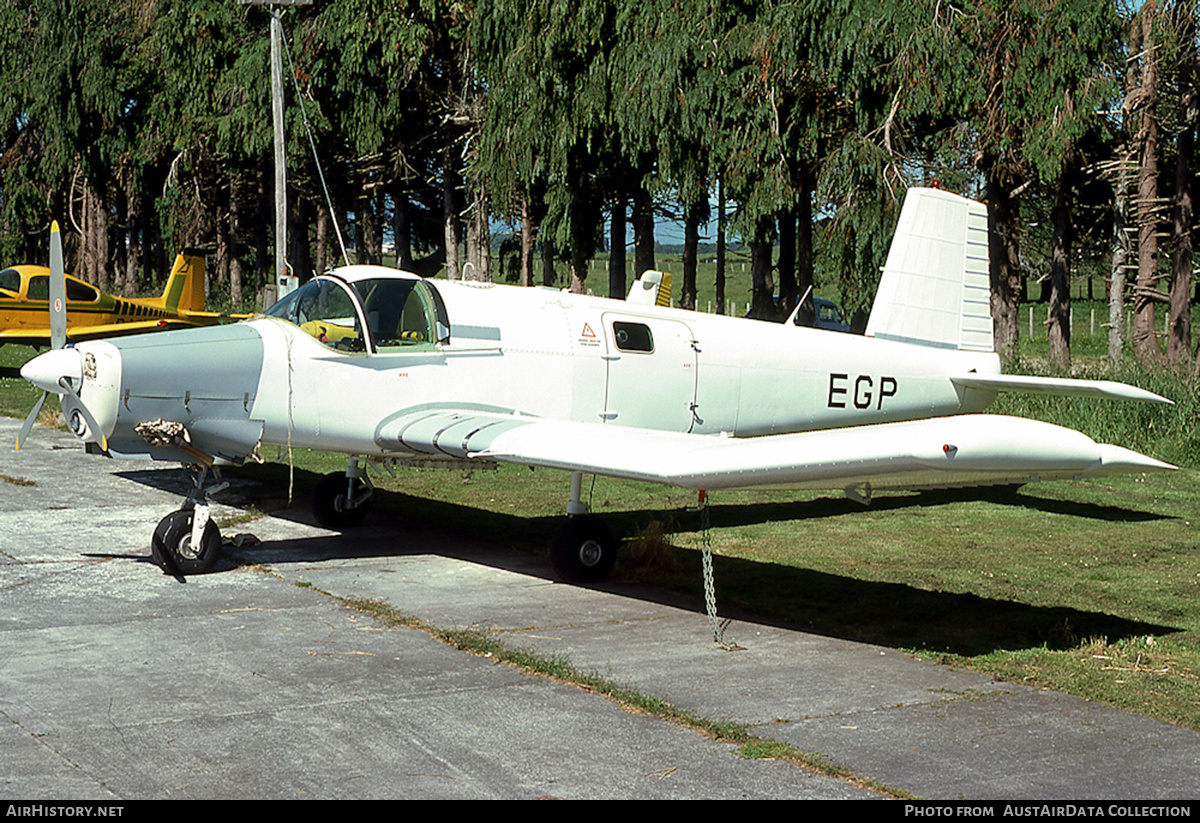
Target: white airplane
[390, 368]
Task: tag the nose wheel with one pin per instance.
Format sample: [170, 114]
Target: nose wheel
[177, 548]
[187, 541]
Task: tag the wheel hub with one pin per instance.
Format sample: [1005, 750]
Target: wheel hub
[590, 553]
[184, 549]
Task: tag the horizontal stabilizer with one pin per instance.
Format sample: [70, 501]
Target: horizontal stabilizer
[1062, 386]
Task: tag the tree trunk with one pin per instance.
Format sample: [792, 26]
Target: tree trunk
[643, 232]
[321, 261]
[691, 254]
[578, 270]
[1179, 324]
[548, 274]
[235, 247]
[1059, 329]
[96, 238]
[366, 233]
[402, 227]
[219, 273]
[133, 238]
[1145, 342]
[479, 238]
[1003, 250]
[299, 251]
[762, 283]
[452, 222]
[804, 253]
[264, 207]
[720, 277]
[527, 242]
[1120, 259]
[616, 250]
[787, 265]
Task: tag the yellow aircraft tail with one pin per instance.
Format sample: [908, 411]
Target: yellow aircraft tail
[653, 288]
[185, 287]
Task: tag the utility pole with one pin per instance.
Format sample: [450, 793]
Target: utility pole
[281, 274]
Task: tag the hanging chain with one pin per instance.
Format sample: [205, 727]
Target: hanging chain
[710, 594]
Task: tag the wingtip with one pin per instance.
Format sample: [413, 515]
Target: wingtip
[1118, 459]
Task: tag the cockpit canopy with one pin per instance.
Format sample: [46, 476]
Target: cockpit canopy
[38, 285]
[399, 313]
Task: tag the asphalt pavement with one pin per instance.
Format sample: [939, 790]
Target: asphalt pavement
[118, 682]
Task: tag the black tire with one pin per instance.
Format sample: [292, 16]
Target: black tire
[583, 550]
[172, 547]
[329, 502]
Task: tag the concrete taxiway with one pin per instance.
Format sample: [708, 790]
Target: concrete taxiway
[118, 682]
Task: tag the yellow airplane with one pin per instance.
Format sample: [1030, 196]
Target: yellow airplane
[25, 311]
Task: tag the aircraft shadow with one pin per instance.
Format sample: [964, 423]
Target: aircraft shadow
[885, 614]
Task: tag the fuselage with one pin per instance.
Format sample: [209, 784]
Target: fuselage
[509, 350]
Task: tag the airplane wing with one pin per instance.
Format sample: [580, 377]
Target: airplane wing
[946, 452]
[41, 337]
[213, 316]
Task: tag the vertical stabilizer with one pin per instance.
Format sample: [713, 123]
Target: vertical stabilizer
[185, 287]
[935, 289]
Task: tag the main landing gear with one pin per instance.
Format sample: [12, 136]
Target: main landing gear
[584, 549]
[187, 541]
[341, 499]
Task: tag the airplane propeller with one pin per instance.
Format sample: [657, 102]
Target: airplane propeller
[55, 370]
[28, 424]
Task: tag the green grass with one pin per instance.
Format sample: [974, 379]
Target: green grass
[16, 396]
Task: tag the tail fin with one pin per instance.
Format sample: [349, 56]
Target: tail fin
[653, 288]
[935, 288]
[185, 287]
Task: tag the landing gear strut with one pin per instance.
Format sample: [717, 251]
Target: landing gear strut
[584, 549]
[187, 541]
[341, 499]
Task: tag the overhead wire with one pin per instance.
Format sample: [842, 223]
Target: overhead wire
[313, 145]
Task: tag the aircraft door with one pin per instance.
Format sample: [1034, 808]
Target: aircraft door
[651, 375]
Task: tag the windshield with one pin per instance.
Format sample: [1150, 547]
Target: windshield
[401, 314]
[323, 308]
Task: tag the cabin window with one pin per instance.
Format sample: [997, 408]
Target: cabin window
[81, 292]
[10, 281]
[39, 288]
[401, 314]
[633, 337]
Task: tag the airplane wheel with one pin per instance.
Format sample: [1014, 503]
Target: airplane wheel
[172, 547]
[330, 506]
[583, 550]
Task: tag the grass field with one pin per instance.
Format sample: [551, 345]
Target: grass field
[1088, 588]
